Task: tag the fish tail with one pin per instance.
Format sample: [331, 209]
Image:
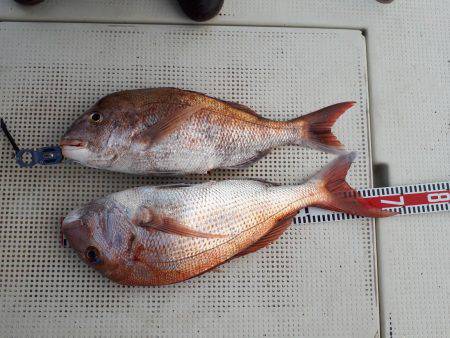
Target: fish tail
[334, 193]
[315, 128]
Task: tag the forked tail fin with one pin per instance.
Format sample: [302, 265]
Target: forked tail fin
[315, 128]
[336, 194]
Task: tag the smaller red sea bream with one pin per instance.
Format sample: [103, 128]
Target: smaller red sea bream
[177, 132]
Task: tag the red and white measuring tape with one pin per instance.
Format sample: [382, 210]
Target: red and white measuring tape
[406, 200]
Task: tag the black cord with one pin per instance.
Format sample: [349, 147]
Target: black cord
[8, 135]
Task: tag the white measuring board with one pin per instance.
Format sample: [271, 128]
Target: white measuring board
[319, 279]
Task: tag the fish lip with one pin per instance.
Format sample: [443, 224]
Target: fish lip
[73, 143]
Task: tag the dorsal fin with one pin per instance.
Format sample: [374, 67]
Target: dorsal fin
[271, 236]
[242, 107]
[266, 182]
[151, 220]
[172, 186]
[231, 103]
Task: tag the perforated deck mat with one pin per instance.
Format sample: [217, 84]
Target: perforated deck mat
[316, 280]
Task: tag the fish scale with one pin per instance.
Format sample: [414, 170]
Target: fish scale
[223, 214]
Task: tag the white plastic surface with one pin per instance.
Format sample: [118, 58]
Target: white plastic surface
[316, 280]
[409, 74]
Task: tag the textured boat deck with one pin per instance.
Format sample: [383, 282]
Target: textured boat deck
[316, 280]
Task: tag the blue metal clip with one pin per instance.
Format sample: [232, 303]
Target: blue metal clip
[27, 158]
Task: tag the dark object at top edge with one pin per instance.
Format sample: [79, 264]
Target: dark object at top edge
[28, 2]
[201, 10]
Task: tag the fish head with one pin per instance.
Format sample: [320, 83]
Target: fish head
[102, 133]
[103, 238]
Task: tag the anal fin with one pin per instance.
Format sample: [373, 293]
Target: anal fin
[251, 160]
[271, 236]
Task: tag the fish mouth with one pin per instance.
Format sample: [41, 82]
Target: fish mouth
[73, 143]
[69, 229]
[72, 220]
[76, 150]
[74, 230]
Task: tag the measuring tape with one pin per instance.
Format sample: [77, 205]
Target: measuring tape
[406, 200]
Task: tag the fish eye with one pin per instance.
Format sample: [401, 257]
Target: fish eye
[92, 255]
[95, 117]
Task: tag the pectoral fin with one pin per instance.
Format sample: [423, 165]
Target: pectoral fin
[151, 220]
[170, 122]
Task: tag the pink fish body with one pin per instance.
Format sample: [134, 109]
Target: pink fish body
[173, 131]
[164, 235]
